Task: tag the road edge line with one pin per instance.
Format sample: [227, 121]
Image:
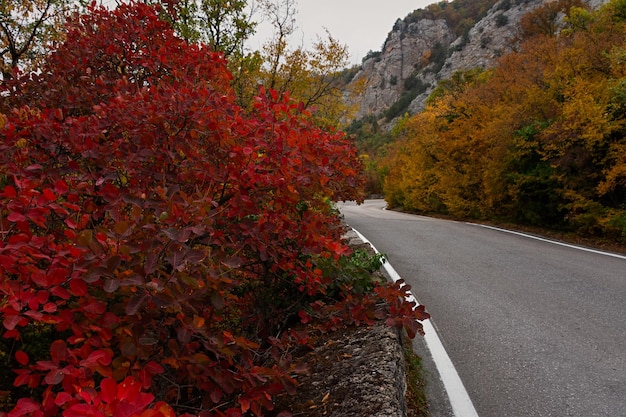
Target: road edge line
[554, 242]
[460, 400]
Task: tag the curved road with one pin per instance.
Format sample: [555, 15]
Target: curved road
[533, 328]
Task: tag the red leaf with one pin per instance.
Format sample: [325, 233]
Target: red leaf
[36, 315]
[61, 187]
[21, 357]
[109, 192]
[70, 223]
[135, 303]
[24, 407]
[98, 357]
[46, 365]
[129, 391]
[58, 351]
[304, 317]
[61, 293]
[24, 377]
[16, 217]
[54, 377]
[62, 398]
[83, 410]
[245, 404]
[108, 390]
[233, 412]
[10, 321]
[9, 192]
[79, 288]
[151, 263]
[50, 307]
[11, 334]
[49, 195]
[165, 409]
[216, 395]
[95, 307]
[154, 368]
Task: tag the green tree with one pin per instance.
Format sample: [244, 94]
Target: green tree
[27, 27]
[224, 25]
[313, 76]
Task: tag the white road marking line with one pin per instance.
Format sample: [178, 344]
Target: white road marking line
[460, 401]
[599, 252]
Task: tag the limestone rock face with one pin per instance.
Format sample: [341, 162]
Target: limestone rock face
[491, 37]
[424, 52]
[404, 53]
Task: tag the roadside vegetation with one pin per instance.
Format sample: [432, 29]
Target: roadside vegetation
[167, 235]
[536, 141]
[416, 401]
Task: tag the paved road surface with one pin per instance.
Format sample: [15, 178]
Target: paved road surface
[533, 328]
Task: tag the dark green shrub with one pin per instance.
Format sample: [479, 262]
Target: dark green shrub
[501, 20]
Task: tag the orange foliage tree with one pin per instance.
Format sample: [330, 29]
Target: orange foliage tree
[539, 139]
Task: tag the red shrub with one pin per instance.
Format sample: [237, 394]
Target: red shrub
[163, 234]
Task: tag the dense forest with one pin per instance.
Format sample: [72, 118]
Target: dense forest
[537, 140]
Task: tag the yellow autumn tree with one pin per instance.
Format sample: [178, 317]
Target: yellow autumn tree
[584, 140]
[539, 139]
[410, 180]
[312, 76]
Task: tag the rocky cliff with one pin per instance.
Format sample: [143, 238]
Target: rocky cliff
[406, 50]
[419, 52]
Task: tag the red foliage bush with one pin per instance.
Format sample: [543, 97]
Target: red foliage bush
[162, 233]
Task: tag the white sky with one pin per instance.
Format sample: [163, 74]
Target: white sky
[361, 24]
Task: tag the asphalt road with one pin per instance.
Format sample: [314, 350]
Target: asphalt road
[533, 328]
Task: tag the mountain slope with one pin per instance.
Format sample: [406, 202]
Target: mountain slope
[431, 44]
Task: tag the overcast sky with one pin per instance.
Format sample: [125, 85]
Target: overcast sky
[361, 24]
